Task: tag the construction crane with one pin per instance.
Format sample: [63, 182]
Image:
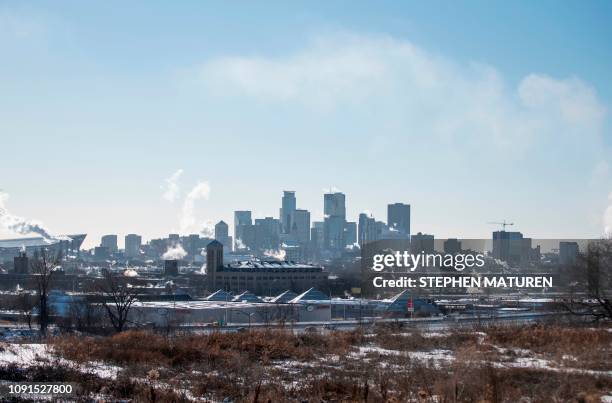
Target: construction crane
[504, 224]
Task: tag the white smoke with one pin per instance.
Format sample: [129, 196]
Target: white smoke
[203, 269]
[21, 225]
[171, 188]
[208, 229]
[240, 244]
[275, 254]
[200, 191]
[608, 217]
[175, 252]
[331, 189]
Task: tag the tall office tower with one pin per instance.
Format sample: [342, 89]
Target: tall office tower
[132, 245]
[109, 242]
[367, 229]
[334, 204]
[222, 233]
[300, 226]
[334, 208]
[267, 233]
[286, 211]
[192, 244]
[398, 218]
[350, 233]
[242, 219]
[317, 235]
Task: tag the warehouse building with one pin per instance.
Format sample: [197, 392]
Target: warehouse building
[259, 276]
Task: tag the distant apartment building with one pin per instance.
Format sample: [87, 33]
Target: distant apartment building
[101, 253]
[512, 248]
[422, 243]
[568, 252]
[133, 243]
[109, 242]
[452, 246]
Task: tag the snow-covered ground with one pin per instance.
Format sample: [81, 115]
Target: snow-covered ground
[30, 354]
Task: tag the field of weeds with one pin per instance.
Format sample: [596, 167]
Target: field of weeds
[539, 363]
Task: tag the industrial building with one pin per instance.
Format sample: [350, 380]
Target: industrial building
[312, 305]
[260, 276]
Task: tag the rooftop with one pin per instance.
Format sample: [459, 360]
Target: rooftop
[269, 265]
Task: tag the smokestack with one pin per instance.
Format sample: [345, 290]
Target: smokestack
[214, 261]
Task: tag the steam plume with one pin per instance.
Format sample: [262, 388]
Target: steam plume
[171, 187]
[175, 252]
[20, 225]
[199, 191]
[275, 254]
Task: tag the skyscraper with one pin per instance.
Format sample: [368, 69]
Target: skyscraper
[334, 204]
[350, 233]
[300, 227]
[267, 233]
[109, 242]
[132, 245]
[334, 208]
[241, 219]
[398, 218]
[222, 233]
[286, 210]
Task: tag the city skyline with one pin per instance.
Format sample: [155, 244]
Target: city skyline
[397, 103]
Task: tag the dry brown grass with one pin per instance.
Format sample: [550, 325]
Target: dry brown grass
[279, 366]
[155, 349]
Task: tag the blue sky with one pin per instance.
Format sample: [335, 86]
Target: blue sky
[472, 112]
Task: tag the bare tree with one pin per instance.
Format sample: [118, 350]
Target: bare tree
[119, 300]
[592, 277]
[43, 264]
[25, 304]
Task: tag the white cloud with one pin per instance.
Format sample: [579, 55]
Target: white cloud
[401, 102]
[429, 94]
[572, 99]
[188, 221]
[171, 187]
